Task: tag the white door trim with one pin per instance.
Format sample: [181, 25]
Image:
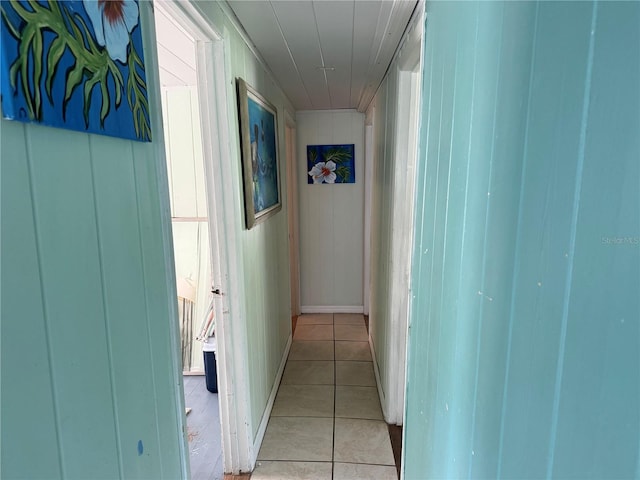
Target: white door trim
[237, 438]
[407, 117]
[293, 215]
[232, 367]
[368, 182]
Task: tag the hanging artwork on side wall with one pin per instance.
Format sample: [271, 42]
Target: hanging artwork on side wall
[259, 145]
[331, 164]
[76, 65]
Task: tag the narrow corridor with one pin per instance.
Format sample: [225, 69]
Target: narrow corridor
[326, 421]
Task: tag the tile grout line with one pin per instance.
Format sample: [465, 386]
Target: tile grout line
[335, 385]
[335, 396]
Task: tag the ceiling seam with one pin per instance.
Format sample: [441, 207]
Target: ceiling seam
[286, 44]
[353, 33]
[324, 70]
[386, 29]
[237, 25]
[370, 63]
[375, 60]
[415, 15]
[169, 52]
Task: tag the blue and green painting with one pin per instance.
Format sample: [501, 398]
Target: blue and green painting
[264, 166]
[331, 164]
[77, 65]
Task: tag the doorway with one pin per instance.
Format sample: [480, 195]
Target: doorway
[403, 224]
[292, 203]
[407, 121]
[180, 78]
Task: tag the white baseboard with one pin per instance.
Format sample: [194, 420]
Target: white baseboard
[257, 443]
[376, 371]
[331, 309]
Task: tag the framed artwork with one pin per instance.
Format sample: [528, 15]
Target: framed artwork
[331, 164]
[77, 65]
[259, 146]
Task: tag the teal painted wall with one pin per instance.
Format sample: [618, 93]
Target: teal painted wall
[524, 346]
[87, 312]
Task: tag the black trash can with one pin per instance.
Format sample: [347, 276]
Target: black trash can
[210, 367]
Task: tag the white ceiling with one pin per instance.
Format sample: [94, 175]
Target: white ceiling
[354, 40]
[176, 52]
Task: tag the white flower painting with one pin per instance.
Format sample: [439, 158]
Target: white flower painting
[323, 172]
[331, 164]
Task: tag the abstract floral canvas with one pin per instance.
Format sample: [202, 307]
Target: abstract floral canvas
[331, 164]
[77, 65]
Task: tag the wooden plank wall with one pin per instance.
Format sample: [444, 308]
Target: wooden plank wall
[524, 338]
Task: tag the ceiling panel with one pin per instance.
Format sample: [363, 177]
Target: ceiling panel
[366, 14]
[357, 38]
[288, 79]
[339, 83]
[176, 53]
[260, 23]
[335, 29]
[179, 69]
[298, 27]
[391, 27]
[374, 65]
[299, 30]
[168, 79]
[174, 38]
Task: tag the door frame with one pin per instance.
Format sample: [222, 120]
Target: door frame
[407, 130]
[232, 368]
[369, 142]
[293, 215]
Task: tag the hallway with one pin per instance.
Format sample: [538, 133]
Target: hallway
[326, 421]
[518, 280]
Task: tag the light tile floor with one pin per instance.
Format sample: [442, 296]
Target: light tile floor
[326, 421]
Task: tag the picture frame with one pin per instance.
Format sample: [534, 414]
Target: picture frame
[258, 120]
[331, 164]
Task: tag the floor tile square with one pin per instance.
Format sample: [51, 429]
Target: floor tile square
[312, 350]
[355, 373]
[298, 438]
[348, 318]
[357, 333]
[313, 332]
[358, 402]
[360, 471]
[315, 319]
[279, 470]
[307, 401]
[362, 441]
[308, 373]
[353, 351]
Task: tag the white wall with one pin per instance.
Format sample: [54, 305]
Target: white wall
[331, 217]
[185, 168]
